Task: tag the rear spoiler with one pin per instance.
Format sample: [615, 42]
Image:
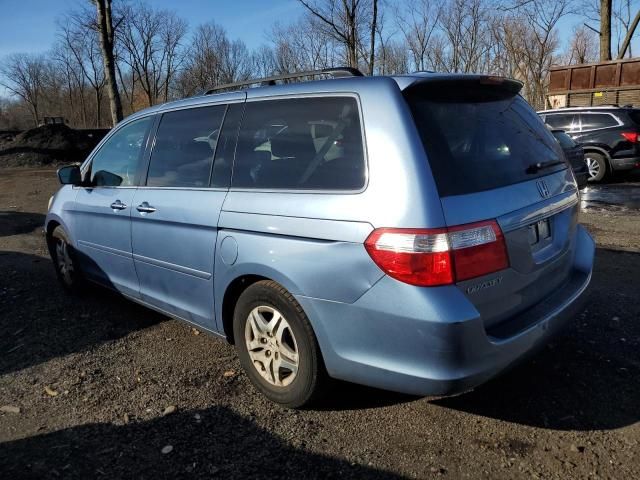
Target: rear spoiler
[411, 84]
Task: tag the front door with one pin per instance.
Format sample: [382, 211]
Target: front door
[102, 211]
[175, 215]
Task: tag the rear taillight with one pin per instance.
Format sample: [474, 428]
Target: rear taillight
[430, 257]
[630, 136]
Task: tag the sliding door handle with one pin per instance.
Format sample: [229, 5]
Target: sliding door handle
[144, 207]
[118, 205]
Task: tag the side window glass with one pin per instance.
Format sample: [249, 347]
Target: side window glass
[116, 163]
[302, 143]
[562, 121]
[591, 121]
[185, 142]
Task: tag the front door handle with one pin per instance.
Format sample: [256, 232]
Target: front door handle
[144, 207]
[118, 205]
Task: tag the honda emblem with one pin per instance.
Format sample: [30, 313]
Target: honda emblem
[542, 188]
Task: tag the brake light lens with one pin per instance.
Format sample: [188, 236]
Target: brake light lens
[431, 257]
[630, 136]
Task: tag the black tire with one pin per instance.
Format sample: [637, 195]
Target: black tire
[67, 270]
[311, 380]
[602, 167]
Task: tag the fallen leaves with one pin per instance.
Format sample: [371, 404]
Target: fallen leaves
[9, 409]
[50, 391]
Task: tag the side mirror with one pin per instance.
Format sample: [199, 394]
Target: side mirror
[70, 175]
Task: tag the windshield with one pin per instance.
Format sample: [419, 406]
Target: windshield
[481, 140]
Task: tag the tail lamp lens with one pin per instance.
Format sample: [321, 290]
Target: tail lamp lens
[431, 257]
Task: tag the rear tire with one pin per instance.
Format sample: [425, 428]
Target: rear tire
[65, 262]
[277, 347]
[596, 166]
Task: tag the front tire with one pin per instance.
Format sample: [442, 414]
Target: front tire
[277, 347]
[596, 166]
[65, 261]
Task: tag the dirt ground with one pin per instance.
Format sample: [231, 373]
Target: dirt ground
[97, 387]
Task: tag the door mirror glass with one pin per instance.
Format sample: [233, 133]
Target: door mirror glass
[70, 175]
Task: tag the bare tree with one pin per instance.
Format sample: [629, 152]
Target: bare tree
[152, 43]
[75, 81]
[24, 75]
[346, 21]
[418, 24]
[466, 29]
[81, 41]
[302, 46]
[213, 60]
[263, 62]
[583, 47]
[624, 19]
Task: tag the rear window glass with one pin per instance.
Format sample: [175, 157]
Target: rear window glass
[597, 120]
[635, 116]
[483, 141]
[185, 143]
[302, 143]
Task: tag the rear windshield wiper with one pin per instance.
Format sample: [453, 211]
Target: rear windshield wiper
[536, 167]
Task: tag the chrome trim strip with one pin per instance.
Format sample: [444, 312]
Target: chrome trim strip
[172, 266]
[102, 248]
[535, 213]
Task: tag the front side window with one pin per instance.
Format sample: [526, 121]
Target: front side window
[567, 122]
[116, 163]
[302, 143]
[183, 151]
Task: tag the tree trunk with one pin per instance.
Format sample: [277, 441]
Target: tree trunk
[605, 30]
[372, 54]
[98, 109]
[105, 27]
[34, 112]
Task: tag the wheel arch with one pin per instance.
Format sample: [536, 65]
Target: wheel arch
[230, 299]
[50, 225]
[600, 150]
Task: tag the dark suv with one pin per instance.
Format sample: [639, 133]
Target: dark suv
[609, 136]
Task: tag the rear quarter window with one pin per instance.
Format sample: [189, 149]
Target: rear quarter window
[482, 141]
[592, 121]
[301, 143]
[634, 115]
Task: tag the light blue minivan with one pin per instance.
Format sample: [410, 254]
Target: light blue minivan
[415, 233]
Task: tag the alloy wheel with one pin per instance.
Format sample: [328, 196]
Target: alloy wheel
[593, 166]
[271, 345]
[64, 261]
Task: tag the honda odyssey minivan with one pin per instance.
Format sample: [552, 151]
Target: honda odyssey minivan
[415, 233]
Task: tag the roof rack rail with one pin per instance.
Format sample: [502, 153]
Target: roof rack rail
[337, 72]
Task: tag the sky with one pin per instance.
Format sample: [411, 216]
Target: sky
[30, 25]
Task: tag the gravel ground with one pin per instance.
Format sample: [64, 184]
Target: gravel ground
[99, 387]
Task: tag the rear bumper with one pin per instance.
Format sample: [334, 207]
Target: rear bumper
[625, 163]
[432, 341]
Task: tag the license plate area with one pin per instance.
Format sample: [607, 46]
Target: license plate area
[540, 233]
